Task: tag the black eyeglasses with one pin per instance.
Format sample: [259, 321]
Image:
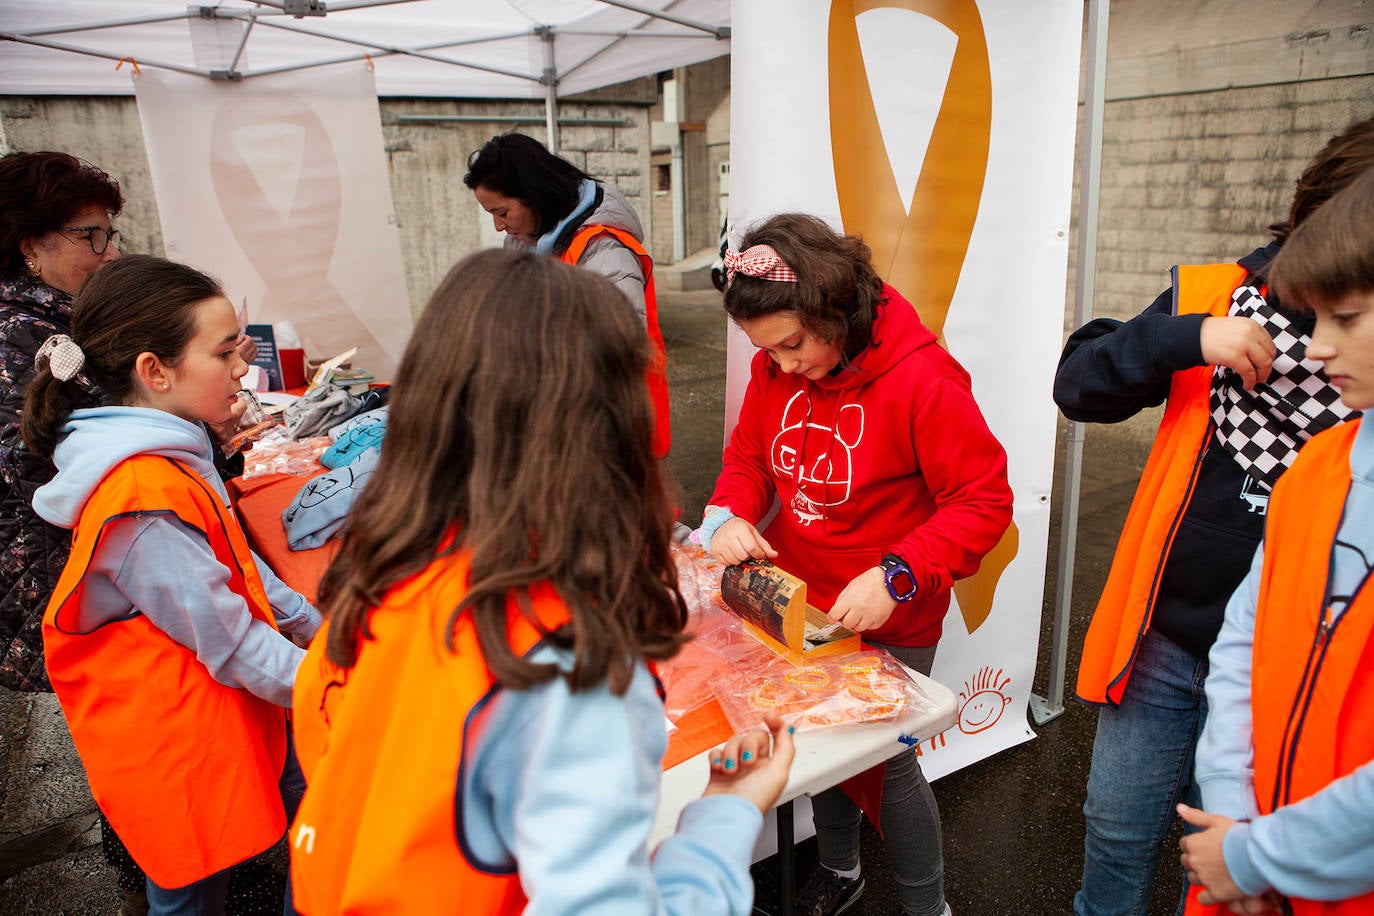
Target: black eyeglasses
[98, 236]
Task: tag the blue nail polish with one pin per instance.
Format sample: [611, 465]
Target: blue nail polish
[729, 764]
[791, 729]
[715, 761]
[746, 756]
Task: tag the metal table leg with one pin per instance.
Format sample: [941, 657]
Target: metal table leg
[787, 862]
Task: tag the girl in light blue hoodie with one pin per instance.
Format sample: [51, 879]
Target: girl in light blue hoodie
[160, 568]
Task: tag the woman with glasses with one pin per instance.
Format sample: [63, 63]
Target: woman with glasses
[55, 231]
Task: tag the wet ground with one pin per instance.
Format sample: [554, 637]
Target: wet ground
[1013, 828]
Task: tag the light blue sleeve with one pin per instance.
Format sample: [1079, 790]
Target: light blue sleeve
[1225, 760]
[567, 788]
[712, 518]
[155, 565]
[1320, 848]
[293, 613]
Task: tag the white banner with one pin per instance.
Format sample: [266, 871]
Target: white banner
[278, 187]
[942, 131]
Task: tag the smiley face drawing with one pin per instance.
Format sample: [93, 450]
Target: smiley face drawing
[982, 701]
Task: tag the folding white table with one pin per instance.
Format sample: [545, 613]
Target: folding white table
[825, 757]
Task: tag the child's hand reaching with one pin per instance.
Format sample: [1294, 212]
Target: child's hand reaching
[745, 766]
[1240, 344]
[864, 603]
[737, 541]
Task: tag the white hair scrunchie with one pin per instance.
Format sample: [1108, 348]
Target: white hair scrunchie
[63, 356]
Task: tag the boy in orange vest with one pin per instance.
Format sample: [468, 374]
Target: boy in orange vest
[1286, 760]
[1228, 358]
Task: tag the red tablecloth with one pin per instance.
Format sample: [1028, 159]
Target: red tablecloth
[260, 503]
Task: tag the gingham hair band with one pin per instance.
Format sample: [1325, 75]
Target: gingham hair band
[761, 262]
[62, 355]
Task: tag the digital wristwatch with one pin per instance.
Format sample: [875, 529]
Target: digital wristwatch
[901, 584]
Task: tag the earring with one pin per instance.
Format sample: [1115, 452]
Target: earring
[33, 267]
[165, 386]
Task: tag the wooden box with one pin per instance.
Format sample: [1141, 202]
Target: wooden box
[772, 604]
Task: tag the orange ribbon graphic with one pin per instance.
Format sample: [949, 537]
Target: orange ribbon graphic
[918, 249]
[291, 253]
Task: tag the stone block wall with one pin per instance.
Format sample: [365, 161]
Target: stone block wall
[1198, 177]
[1213, 108]
[439, 219]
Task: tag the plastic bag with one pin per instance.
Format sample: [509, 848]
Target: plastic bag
[863, 686]
[723, 662]
[277, 453]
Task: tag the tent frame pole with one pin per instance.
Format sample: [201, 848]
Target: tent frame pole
[1044, 709]
[107, 24]
[720, 32]
[550, 81]
[90, 52]
[379, 50]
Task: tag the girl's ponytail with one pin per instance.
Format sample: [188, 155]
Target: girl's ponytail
[48, 402]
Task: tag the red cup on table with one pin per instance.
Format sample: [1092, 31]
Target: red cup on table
[292, 367]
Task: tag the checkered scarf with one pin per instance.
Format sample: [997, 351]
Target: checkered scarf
[1264, 428]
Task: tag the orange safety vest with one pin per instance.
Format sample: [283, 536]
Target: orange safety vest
[1161, 498]
[657, 375]
[1312, 679]
[381, 744]
[185, 768]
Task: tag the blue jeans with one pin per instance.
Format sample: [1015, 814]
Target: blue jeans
[1142, 768]
[208, 896]
[205, 897]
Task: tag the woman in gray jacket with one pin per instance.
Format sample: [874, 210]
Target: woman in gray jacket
[545, 203]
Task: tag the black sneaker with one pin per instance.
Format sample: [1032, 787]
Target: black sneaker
[827, 894]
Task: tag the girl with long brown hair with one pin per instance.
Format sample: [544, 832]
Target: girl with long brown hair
[480, 727]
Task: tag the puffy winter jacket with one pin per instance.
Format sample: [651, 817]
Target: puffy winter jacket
[32, 552]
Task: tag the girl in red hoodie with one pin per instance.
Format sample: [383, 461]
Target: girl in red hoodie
[891, 487]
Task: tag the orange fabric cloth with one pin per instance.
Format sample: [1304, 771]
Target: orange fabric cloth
[657, 375]
[1312, 678]
[383, 804]
[185, 768]
[698, 730]
[1161, 498]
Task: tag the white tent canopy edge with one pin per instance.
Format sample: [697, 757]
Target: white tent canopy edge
[420, 48]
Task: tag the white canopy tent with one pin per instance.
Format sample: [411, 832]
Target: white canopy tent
[499, 49]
